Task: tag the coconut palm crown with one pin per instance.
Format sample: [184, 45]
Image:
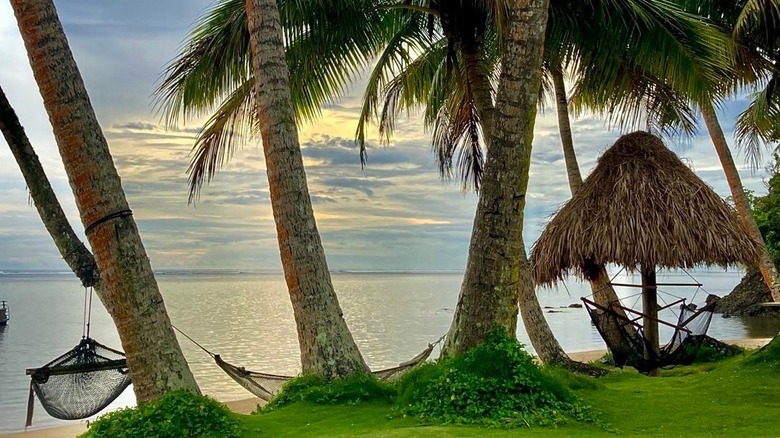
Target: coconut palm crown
[641, 206]
[427, 56]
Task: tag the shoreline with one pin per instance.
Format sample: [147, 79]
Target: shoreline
[248, 405]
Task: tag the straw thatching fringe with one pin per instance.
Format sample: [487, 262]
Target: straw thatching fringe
[641, 206]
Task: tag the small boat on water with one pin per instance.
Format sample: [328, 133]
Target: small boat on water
[4, 313]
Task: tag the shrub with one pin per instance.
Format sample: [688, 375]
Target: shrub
[175, 415]
[495, 384]
[313, 389]
[715, 352]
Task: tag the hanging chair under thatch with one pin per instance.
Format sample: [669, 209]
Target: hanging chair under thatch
[641, 206]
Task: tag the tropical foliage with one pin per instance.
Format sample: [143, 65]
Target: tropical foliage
[767, 212]
[496, 384]
[177, 414]
[430, 58]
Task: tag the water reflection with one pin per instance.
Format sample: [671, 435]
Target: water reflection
[759, 326]
[248, 319]
[3, 329]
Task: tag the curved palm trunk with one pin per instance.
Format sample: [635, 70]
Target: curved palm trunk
[765, 264]
[489, 295]
[564, 127]
[327, 346]
[547, 347]
[72, 249]
[132, 297]
[603, 292]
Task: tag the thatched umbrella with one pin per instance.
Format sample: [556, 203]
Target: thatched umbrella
[641, 208]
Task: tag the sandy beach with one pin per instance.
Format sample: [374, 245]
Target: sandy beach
[246, 406]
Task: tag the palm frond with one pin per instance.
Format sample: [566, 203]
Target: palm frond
[758, 127]
[233, 124]
[411, 37]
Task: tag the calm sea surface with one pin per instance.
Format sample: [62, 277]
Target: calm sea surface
[247, 319]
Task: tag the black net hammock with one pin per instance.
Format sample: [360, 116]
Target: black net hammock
[690, 331]
[79, 383]
[265, 386]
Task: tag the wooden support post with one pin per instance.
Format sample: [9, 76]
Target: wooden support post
[650, 309]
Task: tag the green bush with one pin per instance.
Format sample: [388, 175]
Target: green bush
[495, 384]
[178, 414]
[710, 353]
[313, 389]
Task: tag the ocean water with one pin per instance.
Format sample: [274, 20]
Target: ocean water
[247, 318]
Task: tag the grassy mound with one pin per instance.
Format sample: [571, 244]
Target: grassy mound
[178, 414]
[768, 355]
[312, 389]
[495, 384]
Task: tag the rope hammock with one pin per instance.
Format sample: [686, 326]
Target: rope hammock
[81, 382]
[265, 386]
[690, 330]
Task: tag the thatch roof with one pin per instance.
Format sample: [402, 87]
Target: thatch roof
[641, 206]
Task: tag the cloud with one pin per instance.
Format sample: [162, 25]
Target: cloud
[394, 213]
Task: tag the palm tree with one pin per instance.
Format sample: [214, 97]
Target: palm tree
[404, 34]
[493, 280]
[327, 347]
[132, 297]
[421, 61]
[755, 26]
[72, 249]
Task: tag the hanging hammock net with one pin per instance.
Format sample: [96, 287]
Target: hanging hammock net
[690, 330]
[265, 386]
[80, 383]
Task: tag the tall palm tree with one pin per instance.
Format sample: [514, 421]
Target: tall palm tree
[755, 26]
[327, 346]
[421, 59]
[132, 297]
[493, 278]
[402, 35]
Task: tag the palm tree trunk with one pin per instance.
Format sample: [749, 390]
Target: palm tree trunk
[72, 249]
[489, 295]
[327, 346]
[564, 127]
[603, 293]
[480, 86]
[132, 297]
[547, 347]
[765, 265]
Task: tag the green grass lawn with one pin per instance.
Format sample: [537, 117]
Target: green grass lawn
[732, 398]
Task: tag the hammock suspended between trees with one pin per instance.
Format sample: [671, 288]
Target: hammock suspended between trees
[689, 333]
[266, 386]
[80, 383]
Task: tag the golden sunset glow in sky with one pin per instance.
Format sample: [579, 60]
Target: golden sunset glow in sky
[395, 214]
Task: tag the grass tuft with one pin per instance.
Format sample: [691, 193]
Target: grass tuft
[495, 384]
[175, 415]
[350, 391]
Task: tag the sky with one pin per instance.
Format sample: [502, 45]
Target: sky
[395, 214]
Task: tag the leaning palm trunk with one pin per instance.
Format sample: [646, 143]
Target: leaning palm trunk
[603, 292]
[327, 346]
[489, 295]
[765, 264]
[132, 297]
[72, 249]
